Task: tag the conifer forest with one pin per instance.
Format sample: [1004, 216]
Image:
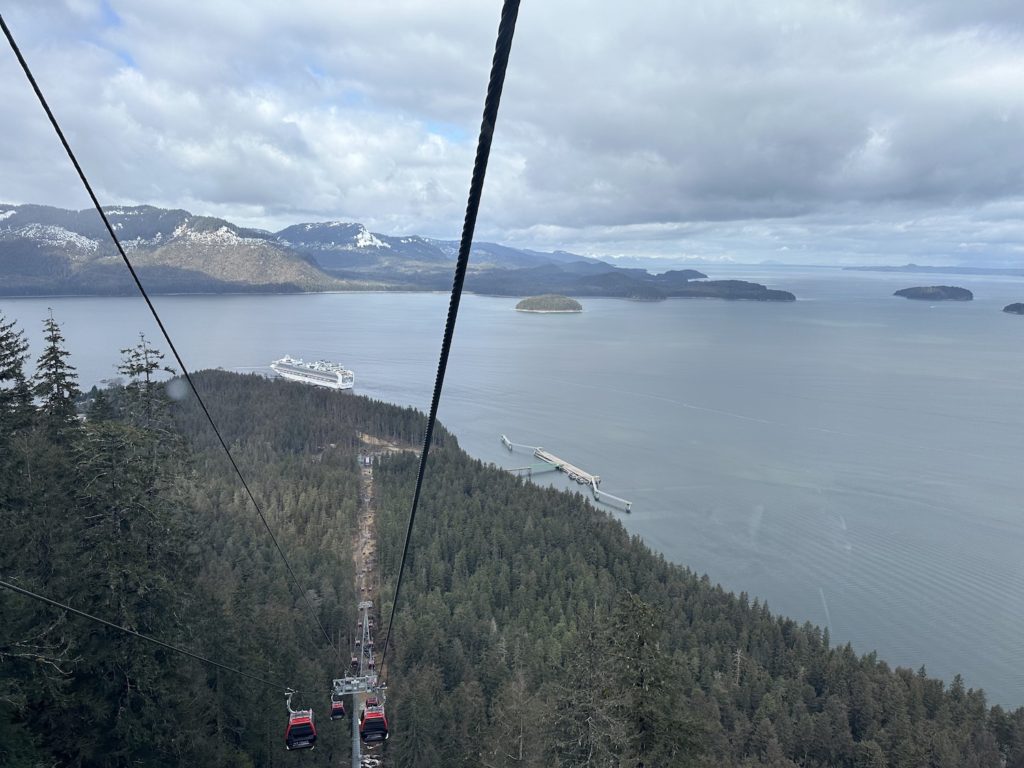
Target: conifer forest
[532, 629]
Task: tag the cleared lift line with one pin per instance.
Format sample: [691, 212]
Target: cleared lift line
[363, 682]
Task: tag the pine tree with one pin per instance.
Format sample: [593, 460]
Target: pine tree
[586, 731]
[138, 574]
[124, 531]
[658, 733]
[100, 409]
[867, 754]
[146, 406]
[517, 736]
[33, 500]
[15, 418]
[56, 384]
[146, 402]
[15, 393]
[417, 711]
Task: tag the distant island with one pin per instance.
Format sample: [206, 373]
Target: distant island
[1014, 309]
[549, 302]
[936, 293]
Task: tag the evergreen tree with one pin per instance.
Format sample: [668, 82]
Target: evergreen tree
[15, 417]
[15, 393]
[100, 406]
[649, 705]
[146, 406]
[868, 754]
[35, 656]
[145, 401]
[519, 728]
[56, 384]
[587, 732]
[138, 574]
[417, 710]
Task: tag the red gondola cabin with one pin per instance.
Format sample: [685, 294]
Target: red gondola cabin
[373, 725]
[301, 730]
[337, 709]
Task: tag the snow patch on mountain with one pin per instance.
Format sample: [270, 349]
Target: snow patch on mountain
[7, 214]
[142, 242]
[59, 236]
[365, 239]
[449, 248]
[349, 237]
[220, 236]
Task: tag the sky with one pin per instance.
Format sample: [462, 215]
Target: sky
[794, 131]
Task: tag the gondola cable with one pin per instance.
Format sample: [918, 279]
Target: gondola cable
[499, 64]
[110, 625]
[160, 324]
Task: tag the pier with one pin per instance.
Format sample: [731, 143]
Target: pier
[552, 462]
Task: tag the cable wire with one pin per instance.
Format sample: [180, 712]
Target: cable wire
[133, 633]
[160, 324]
[499, 64]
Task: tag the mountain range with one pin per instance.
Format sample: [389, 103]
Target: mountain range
[47, 251]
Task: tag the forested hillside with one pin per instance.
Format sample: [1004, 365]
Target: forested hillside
[533, 630]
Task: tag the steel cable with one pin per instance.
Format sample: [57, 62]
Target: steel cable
[41, 598]
[499, 64]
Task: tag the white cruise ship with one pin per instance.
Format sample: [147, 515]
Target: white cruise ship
[320, 372]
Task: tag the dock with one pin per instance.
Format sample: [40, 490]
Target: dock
[531, 469]
[552, 462]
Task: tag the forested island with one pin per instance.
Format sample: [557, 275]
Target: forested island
[534, 630]
[936, 293]
[549, 302]
[1015, 309]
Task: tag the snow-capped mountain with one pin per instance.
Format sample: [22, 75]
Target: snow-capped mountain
[346, 245]
[50, 250]
[47, 250]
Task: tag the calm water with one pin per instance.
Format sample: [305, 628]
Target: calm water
[854, 459]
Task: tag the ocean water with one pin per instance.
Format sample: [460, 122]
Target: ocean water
[854, 459]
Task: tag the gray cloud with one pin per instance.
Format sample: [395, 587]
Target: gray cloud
[797, 130]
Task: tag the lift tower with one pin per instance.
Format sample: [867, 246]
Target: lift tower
[364, 679]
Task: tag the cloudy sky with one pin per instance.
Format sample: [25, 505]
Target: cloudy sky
[800, 131]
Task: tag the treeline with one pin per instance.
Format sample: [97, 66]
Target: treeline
[533, 630]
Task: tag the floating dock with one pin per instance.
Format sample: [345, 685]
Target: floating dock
[552, 462]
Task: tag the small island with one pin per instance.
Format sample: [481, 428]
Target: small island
[1015, 309]
[936, 293]
[549, 302]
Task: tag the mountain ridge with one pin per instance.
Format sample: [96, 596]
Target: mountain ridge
[46, 250]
